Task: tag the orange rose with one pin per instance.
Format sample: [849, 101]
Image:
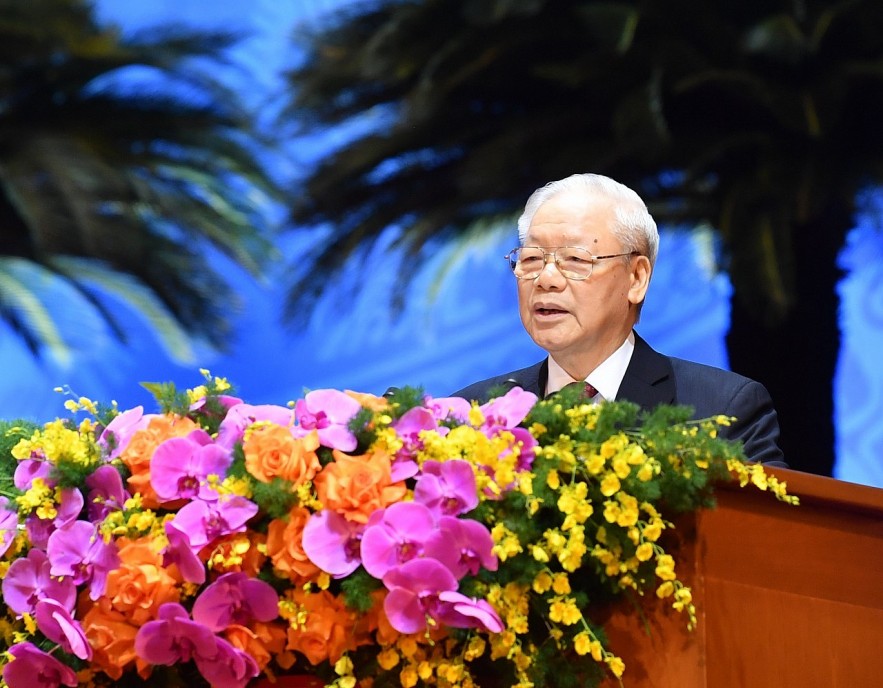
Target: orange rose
[140, 584]
[112, 639]
[376, 620]
[325, 632]
[356, 486]
[262, 642]
[140, 450]
[236, 552]
[369, 401]
[285, 547]
[272, 452]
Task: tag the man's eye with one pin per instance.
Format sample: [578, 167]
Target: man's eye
[577, 260]
[530, 260]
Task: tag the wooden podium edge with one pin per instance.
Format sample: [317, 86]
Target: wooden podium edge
[815, 489]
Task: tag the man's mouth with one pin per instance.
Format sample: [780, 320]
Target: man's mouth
[549, 310]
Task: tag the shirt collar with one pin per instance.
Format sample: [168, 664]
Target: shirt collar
[606, 378]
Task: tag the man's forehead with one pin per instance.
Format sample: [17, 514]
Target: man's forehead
[573, 215]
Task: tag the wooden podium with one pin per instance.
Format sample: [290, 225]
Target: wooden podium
[787, 597]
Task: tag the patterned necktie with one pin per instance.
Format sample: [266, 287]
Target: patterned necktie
[588, 392]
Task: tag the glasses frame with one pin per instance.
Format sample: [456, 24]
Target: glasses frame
[553, 251]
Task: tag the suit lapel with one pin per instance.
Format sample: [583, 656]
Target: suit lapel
[531, 379]
[649, 379]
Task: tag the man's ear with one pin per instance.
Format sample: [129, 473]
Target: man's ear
[640, 279]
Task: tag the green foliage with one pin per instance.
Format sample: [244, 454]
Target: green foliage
[404, 399]
[358, 588]
[11, 432]
[275, 498]
[360, 425]
[168, 398]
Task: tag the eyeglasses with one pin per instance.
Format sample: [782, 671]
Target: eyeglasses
[574, 262]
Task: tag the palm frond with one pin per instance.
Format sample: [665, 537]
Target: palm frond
[29, 315]
[98, 280]
[132, 153]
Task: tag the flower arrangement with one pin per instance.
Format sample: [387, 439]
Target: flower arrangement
[358, 540]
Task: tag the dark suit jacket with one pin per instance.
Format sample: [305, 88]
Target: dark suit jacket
[652, 379]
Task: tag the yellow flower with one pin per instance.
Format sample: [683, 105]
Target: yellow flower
[644, 551]
[424, 670]
[665, 567]
[582, 643]
[563, 610]
[683, 596]
[613, 445]
[628, 515]
[665, 590]
[476, 417]
[343, 666]
[539, 554]
[475, 648]
[561, 584]
[553, 480]
[647, 471]
[407, 646]
[555, 540]
[507, 543]
[653, 530]
[408, 676]
[621, 466]
[594, 464]
[542, 582]
[616, 665]
[611, 511]
[610, 485]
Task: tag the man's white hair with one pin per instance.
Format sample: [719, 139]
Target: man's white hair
[635, 228]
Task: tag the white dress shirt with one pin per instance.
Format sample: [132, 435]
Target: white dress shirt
[606, 378]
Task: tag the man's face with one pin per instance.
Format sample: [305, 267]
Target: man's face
[580, 323]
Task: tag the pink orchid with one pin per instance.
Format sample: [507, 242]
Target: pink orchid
[408, 428]
[447, 487]
[394, 536]
[463, 545]
[79, 551]
[29, 470]
[332, 543]
[28, 580]
[181, 466]
[508, 410]
[203, 522]
[459, 611]
[328, 411]
[235, 599]
[119, 431]
[33, 668]
[224, 402]
[505, 413]
[229, 668]
[414, 589]
[449, 408]
[106, 493]
[57, 624]
[241, 416]
[8, 525]
[174, 638]
[38, 531]
[180, 554]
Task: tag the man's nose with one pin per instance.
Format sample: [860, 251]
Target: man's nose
[550, 276]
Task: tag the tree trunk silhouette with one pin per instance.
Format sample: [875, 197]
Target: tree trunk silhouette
[796, 358]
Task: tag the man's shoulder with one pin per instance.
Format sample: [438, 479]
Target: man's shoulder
[526, 378]
[707, 374]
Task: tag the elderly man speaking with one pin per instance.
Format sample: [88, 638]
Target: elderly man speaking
[588, 247]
